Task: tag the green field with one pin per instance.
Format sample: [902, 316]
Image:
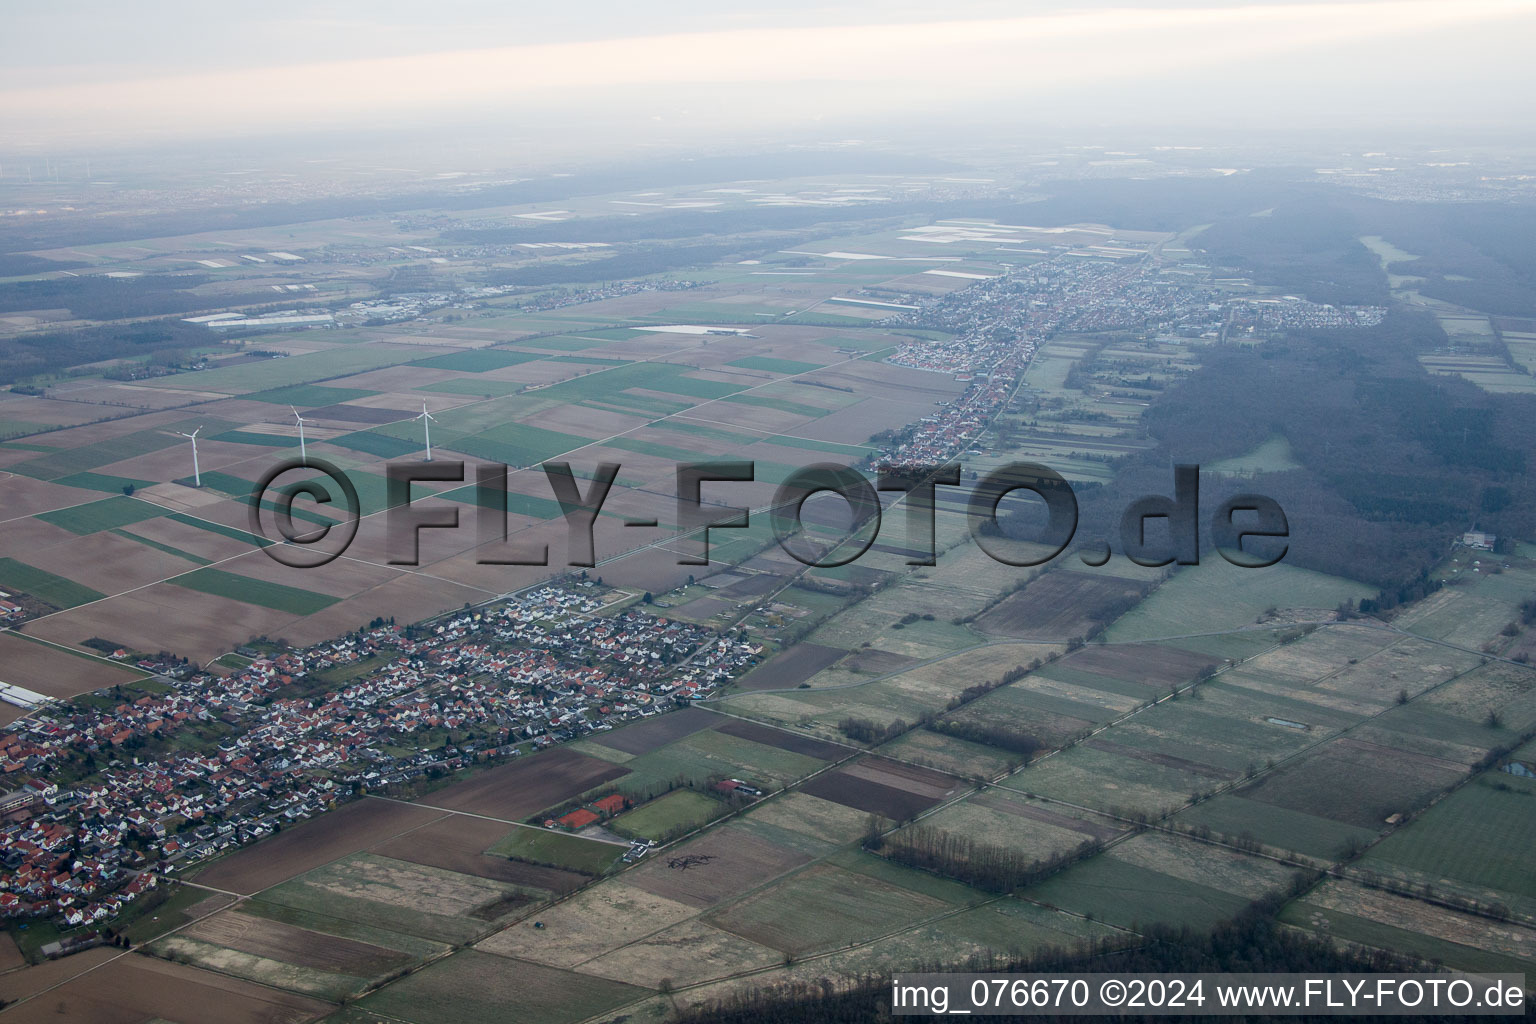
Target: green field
[660, 451]
[56, 590]
[586, 360]
[781, 404]
[225, 483]
[106, 514]
[479, 387]
[472, 987]
[1107, 889]
[309, 394]
[1353, 928]
[636, 405]
[220, 529]
[252, 591]
[372, 443]
[1216, 595]
[303, 918]
[665, 814]
[103, 482]
[252, 437]
[477, 360]
[518, 444]
[824, 907]
[163, 547]
[772, 365]
[542, 846]
[272, 376]
[380, 892]
[857, 451]
[88, 456]
[683, 426]
[517, 504]
[1481, 836]
[1271, 456]
[1278, 827]
[707, 755]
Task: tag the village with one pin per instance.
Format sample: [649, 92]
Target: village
[997, 326]
[140, 787]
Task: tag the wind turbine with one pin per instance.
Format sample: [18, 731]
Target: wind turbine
[303, 455]
[426, 424]
[197, 477]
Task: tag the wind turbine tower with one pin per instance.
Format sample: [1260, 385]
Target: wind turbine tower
[197, 476]
[426, 425]
[303, 454]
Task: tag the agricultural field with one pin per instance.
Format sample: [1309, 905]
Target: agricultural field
[709, 755]
[824, 907]
[679, 809]
[518, 790]
[484, 848]
[281, 955]
[783, 396]
[887, 788]
[1475, 844]
[474, 987]
[58, 671]
[788, 670]
[340, 833]
[1385, 782]
[1476, 606]
[1057, 606]
[141, 988]
[1220, 597]
[1158, 879]
[427, 902]
[1346, 911]
[724, 863]
[595, 921]
[950, 754]
[912, 690]
[1030, 827]
[105, 514]
[1217, 711]
[569, 853]
[242, 588]
[650, 734]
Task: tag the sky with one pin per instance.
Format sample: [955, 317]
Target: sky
[612, 74]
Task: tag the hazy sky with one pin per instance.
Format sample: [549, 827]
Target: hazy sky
[99, 73]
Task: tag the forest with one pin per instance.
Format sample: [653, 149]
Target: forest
[29, 355]
[1396, 463]
[98, 297]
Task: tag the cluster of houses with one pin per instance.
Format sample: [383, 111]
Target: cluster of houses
[994, 326]
[1289, 312]
[412, 305]
[994, 329]
[145, 785]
